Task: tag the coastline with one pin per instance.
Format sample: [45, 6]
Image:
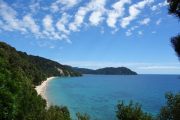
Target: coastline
[41, 89]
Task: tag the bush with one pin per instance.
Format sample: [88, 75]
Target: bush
[82, 116]
[57, 113]
[172, 109]
[131, 112]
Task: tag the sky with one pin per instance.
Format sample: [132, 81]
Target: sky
[94, 33]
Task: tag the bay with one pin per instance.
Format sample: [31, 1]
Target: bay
[98, 95]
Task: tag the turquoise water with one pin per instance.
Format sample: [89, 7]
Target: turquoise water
[98, 95]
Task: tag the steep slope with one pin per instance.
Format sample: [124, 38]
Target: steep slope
[34, 67]
[19, 73]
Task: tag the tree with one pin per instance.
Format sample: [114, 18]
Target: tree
[172, 109]
[131, 112]
[174, 8]
[176, 44]
[57, 113]
[19, 73]
[82, 116]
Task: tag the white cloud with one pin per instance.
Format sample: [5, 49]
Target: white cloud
[30, 24]
[130, 30]
[60, 25]
[154, 7]
[63, 4]
[159, 67]
[118, 11]
[69, 3]
[62, 22]
[45, 44]
[115, 30]
[9, 16]
[54, 7]
[10, 21]
[145, 21]
[34, 6]
[159, 5]
[133, 28]
[134, 11]
[47, 23]
[96, 18]
[128, 33]
[78, 19]
[158, 21]
[49, 29]
[97, 6]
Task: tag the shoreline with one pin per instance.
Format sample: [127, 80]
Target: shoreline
[41, 89]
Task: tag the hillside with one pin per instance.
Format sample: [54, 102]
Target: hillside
[106, 71]
[19, 73]
[34, 67]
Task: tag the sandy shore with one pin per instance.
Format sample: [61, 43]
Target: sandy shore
[41, 89]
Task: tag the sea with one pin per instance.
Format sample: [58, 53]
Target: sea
[98, 95]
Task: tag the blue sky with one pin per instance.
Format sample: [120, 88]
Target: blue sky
[94, 33]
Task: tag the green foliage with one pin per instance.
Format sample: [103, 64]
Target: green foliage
[19, 100]
[19, 73]
[35, 68]
[115, 71]
[8, 89]
[82, 116]
[176, 44]
[174, 7]
[57, 113]
[131, 112]
[172, 109]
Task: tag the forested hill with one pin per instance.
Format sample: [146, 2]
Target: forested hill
[107, 71]
[19, 73]
[34, 67]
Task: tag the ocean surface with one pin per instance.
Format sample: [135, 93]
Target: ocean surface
[98, 95]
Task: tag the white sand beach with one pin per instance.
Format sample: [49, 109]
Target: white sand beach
[41, 89]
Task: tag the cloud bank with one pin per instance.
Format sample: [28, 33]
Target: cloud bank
[58, 19]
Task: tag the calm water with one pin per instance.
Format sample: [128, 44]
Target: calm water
[98, 95]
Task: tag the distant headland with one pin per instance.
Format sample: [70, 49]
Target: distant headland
[106, 71]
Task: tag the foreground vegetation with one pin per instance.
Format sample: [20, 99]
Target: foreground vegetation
[171, 111]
